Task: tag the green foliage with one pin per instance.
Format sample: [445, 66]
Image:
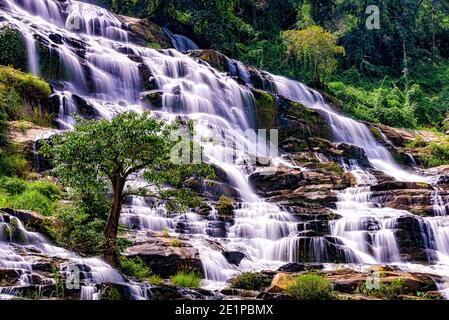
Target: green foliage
[109, 292]
[250, 281]
[155, 279]
[81, 227]
[13, 186]
[96, 151]
[34, 201]
[175, 243]
[311, 287]
[37, 196]
[315, 50]
[31, 89]
[12, 49]
[437, 155]
[134, 267]
[10, 101]
[186, 279]
[225, 206]
[14, 164]
[387, 291]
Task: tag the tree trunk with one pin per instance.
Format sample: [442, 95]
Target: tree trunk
[111, 229]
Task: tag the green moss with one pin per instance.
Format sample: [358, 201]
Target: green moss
[250, 281]
[224, 206]
[175, 243]
[376, 133]
[266, 109]
[28, 86]
[311, 287]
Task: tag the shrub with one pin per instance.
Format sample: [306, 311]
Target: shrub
[155, 279]
[224, 206]
[34, 201]
[10, 101]
[186, 279]
[311, 287]
[175, 243]
[79, 231]
[47, 189]
[134, 267]
[438, 155]
[391, 291]
[14, 165]
[12, 48]
[108, 292]
[13, 186]
[250, 281]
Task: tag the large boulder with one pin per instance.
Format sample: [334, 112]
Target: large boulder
[146, 33]
[165, 259]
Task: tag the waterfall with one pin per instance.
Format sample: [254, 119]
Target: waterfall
[344, 129]
[106, 74]
[364, 227]
[180, 42]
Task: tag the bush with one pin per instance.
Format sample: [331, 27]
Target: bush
[13, 186]
[10, 102]
[155, 279]
[108, 292]
[12, 49]
[186, 279]
[175, 243]
[80, 231]
[391, 291]
[47, 189]
[438, 155]
[311, 287]
[34, 201]
[250, 281]
[134, 267]
[14, 165]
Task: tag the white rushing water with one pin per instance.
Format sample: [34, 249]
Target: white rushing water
[103, 69]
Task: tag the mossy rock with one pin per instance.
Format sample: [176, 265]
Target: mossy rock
[376, 133]
[266, 109]
[31, 88]
[224, 206]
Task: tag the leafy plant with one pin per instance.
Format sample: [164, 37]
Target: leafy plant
[388, 291]
[250, 281]
[186, 279]
[134, 267]
[311, 287]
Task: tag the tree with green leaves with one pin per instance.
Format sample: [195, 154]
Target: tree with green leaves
[111, 153]
[315, 49]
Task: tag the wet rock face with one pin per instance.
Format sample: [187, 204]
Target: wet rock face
[167, 260]
[414, 239]
[234, 257]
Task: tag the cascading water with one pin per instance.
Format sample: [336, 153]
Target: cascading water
[364, 227]
[180, 42]
[103, 70]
